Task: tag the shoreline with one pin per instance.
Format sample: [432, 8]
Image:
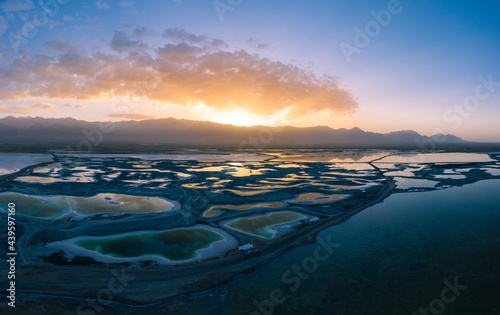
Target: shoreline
[171, 283]
[234, 264]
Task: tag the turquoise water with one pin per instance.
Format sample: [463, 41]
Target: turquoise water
[393, 258]
[179, 244]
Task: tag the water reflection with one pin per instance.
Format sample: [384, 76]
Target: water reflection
[264, 226]
[54, 206]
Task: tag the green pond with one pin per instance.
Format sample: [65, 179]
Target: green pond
[175, 245]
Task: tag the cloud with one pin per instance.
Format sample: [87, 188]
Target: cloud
[179, 35]
[85, 22]
[44, 106]
[101, 4]
[131, 116]
[51, 24]
[187, 70]
[58, 46]
[69, 18]
[25, 109]
[131, 12]
[141, 32]
[122, 43]
[3, 25]
[126, 4]
[17, 5]
[14, 109]
[89, 22]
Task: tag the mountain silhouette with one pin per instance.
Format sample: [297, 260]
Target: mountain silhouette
[181, 132]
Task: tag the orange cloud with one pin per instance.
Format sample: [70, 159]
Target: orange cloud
[43, 105]
[131, 116]
[188, 70]
[25, 109]
[14, 110]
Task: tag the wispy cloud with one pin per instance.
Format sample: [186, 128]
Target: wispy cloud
[121, 42]
[90, 23]
[43, 105]
[26, 109]
[58, 46]
[101, 4]
[4, 109]
[180, 36]
[3, 25]
[17, 5]
[143, 31]
[126, 4]
[69, 18]
[130, 116]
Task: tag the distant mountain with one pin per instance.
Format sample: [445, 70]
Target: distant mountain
[179, 132]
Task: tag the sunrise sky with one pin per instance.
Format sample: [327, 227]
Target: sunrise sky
[431, 66]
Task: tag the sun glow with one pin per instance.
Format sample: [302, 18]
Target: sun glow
[239, 117]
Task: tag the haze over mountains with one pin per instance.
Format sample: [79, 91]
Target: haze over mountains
[180, 132]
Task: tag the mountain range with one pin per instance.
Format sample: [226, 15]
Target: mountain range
[27, 131]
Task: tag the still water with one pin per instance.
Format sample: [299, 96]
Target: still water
[396, 257]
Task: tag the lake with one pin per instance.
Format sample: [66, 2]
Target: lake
[392, 258]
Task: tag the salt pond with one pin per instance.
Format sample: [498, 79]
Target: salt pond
[13, 162]
[194, 156]
[48, 180]
[408, 183]
[55, 206]
[265, 225]
[492, 171]
[345, 156]
[230, 170]
[173, 246]
[437, 158]
[249, 206]
[316, 198]
[240, 192]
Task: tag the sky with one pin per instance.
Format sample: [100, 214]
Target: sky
[429, 66]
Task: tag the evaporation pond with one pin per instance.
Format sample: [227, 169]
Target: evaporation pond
[176, 245]
[54, 206]
[262, 225]
[437, 158]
